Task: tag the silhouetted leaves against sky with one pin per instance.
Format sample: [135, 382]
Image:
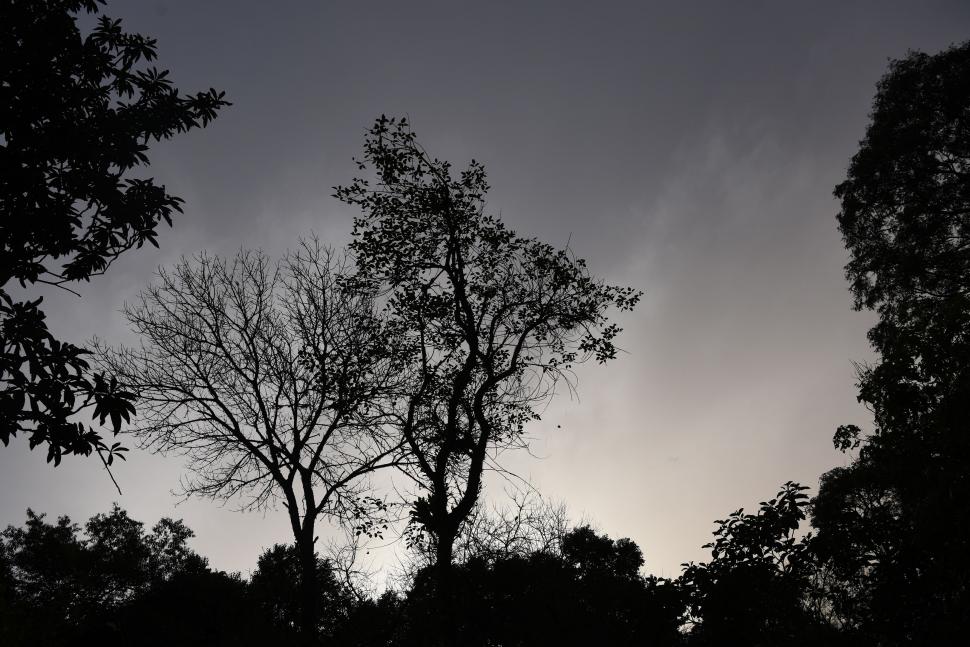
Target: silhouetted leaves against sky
[77, 114]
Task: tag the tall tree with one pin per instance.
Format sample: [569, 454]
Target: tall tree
[267, 377]
[486, 320]
[76, 116]
[900, 507]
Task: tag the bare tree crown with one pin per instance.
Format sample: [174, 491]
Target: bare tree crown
[266, 376]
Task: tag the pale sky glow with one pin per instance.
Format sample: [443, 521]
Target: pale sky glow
[689, 149]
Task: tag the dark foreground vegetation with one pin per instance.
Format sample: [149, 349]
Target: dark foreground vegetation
[523, 580]
[426, 350]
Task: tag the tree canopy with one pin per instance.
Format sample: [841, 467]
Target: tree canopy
[891, 523]
[77, 115]
[484, 320]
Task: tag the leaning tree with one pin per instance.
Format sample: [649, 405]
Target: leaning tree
[268, 378]
[487, 322]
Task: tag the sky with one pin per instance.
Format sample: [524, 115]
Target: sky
[689, 149]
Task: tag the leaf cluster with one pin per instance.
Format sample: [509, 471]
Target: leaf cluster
[77, 114]
[752, 588]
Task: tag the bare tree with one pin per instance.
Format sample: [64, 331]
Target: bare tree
[524, 525]
[268, 378]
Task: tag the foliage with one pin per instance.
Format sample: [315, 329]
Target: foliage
[204, 608]
[76, 116]
[858, 522]
[752, 591]
[890, 525]
[62, 582]
[380, 621]
[906, 201]
[586, 595]
[590, 592]
[275, 586]
[485, 321]
[905, 219]
[591, 554]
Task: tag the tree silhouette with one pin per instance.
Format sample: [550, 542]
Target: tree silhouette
[753, 590]
[10, 633]
[859, 523]
[49, 572]
[485, 321]
[892, 522]
[76, 116]
[587, 590]
[269, 378]
[60, 584]
[194, 608]
[276, 586]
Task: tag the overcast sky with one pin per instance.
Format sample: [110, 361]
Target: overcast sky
[686, 148]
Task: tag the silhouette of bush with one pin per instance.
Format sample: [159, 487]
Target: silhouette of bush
[753, 591]
[60, 583]
[591, 593]
[204, 608]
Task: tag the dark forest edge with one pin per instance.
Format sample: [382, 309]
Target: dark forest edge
[525, 580]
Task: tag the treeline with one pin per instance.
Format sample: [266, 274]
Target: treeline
[113, 583]
[523, 579]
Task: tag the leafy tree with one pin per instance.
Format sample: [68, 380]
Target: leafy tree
[593, 554]
[205, 608]
[269, 378]
[275, 585]
[76, 117]
[48, 566]
[858, 522]
[9, 604]
[905, 220]
[484, 320]
[892, 521]
[753, 590]
[63, 584]
[906, 202]
[589, 593]
[117, 556]
[169, 553]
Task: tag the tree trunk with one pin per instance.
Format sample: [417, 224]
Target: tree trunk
[445, 550]
[444, 585]
[309, 585]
